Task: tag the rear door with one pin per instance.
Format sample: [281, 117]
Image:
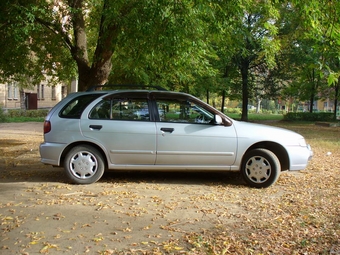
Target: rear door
[188, 136]
[122, 125]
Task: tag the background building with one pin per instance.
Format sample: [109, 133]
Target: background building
[40, 96]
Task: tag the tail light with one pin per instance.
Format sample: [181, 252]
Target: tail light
[47, 126]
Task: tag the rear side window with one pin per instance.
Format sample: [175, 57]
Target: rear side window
[75, 107]
[121, 109]
[130, 109]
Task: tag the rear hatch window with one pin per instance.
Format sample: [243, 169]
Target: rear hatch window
[76, 106]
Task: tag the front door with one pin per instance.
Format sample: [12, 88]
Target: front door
[188, 136]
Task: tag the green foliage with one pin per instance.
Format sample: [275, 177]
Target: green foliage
[307, 116]
[16, 113]
[192, 46]
[3, 116]
[233, 110]
[166, 45]
[19, 115]
[25, 119]
[248, 49]
[257, 116]
[30, 50]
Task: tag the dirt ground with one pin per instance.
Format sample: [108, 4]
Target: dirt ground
[123, 213]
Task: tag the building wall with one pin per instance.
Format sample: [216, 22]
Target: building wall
[47, 96]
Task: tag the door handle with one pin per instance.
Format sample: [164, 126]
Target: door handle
[168, 130]
[95, 127]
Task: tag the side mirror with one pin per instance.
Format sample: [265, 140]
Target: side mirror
[218, 120]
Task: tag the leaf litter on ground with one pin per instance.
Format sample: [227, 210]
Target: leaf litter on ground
[137, 213]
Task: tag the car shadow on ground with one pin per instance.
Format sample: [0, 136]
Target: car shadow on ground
[177, 177]
[38, 172]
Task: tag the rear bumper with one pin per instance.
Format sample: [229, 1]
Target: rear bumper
[50, 153]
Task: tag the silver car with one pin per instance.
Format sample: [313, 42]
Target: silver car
[90, 132]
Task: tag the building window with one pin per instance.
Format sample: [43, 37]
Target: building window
[13, 91]
[53, 96]
[10, 93]
[40, 92]
[63, 91]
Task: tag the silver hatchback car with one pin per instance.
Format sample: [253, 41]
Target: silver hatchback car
[90, 132]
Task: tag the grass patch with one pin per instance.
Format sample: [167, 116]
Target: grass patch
[24, 119]
[257, 116]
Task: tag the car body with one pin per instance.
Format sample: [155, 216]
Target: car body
[91, 132]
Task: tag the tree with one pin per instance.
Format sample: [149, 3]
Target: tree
[320, 22]
[91, 40]
[250, 41]
[30, 53]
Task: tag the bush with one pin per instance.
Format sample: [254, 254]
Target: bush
[307, 116]
[14, 113]
[265, 111]
[233, 110]
[3, 115]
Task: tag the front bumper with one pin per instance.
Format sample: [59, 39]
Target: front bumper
[299, 157]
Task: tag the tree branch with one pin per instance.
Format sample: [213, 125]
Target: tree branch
[56, 30]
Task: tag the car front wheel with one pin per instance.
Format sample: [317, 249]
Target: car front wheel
[84, 165]
[260, 168]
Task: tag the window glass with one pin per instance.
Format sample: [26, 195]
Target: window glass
[75, 107]
[101, 110]
[130, 109]
[13, 91]
[182, 111]
[121, 109]
[53, 93]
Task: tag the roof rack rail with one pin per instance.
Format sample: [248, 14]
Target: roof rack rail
[118, 86]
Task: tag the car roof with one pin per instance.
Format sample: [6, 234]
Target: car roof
[127, 91]
[129, 86]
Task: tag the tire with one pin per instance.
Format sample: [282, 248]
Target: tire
[84, 165]
[260, 168]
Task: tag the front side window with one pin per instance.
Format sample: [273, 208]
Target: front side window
[183, 111]
[121, 109]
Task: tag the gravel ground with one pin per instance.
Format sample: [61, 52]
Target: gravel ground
[161, 213]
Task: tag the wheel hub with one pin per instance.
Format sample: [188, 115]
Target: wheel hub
[258, 169]
[83, 165]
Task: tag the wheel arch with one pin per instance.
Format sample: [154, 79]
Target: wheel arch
[72, 145]
[277, 149]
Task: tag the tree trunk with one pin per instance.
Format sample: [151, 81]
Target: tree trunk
[258, 104]
[223, 101]
[22, 99]
[336, 99]
[311, 102]
[98, 73]
[245, 93]
[315, 85]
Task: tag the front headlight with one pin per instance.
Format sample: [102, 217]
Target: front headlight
[303, 143]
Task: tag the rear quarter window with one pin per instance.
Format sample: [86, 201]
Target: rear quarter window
[76, 106]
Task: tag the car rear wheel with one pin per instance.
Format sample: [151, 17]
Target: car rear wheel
[84, 165]
[260, 168]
